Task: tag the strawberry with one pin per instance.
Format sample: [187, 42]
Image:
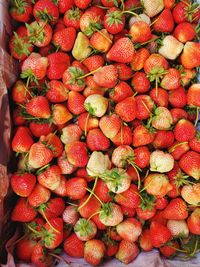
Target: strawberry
[171, 47]
[194, 222]
[70, 215]
[142, 156]
[124, 71]
[71, 133]
[19, 46]
[191, 169]
[128, 212]
[178, 97]
[176, 210]
[140, 56]
[40, 257]
[77, 153]
[145, 240]
[65, 166]
[144, 106]
[22, 140]
[86, 122]
[53, 208]
[127, 251]
[82, 5]
[97, 141]
[61, 189]
[184, 32]
[190, 193]
[102, 191]
[169, 251]
[41, 128]
[140, 32]
[159, 234]
[20, 93]
[23, 212]
[85, 230]
[64, 38]
[72, 17]
[109, 3]
[163, 139]
[195, 142]
[94, 62]
[72, 79]
[94, 251]
[130, 194]
[126, 109]
[159, 96]
[178, 228]
[129, 230]
[184, 130]
[50, 177]
[162, 119]
[164, 22]
[114, 20]
[38, 107]
[106, 76]
[76, 188]
[17, 117]
[65, 5]
[24, 249]
[193, 98]
[140, 83]
[110, 214]
[90, 22]
[53, 141]
[110, 125]
[120, 92]
[39, 155]
[142, 136]
[161, 161]
[88, 209]
[159, 184]
[178, 149]
[23, 184]
[34, 67]
[98, 164]
[101, 40]
[118, 51]
[39, 195]
[124, 136]
[161, 203]
[58, 63]
[60, 114]
[185, 11]
[73, 246]
[46, 10]
[177, 114]
[190, 58]
[21, 10]
[75, 103]
[53, 233]
[171, 80]
[153, 8]
[169, 3]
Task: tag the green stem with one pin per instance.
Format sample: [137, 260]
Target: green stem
[97, 212]
[46, 219]
[88, 74]
[132, 13]
[102, 34]
[197, 116]
[95, 196]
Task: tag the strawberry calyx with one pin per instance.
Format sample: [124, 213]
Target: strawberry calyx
[93, 27]
[91, 110]
[190, 10]
[114, 17]
[75, 74]
[108, 241]
[44, 15]
[30, 76]
[155, 75]
[20, 46]
[84, 227]
[19, 6]
[35, 31]
[106, 210]
[74, 14]
[147, 201]
[190, 246]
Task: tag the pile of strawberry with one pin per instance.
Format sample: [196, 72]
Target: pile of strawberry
[105, 114]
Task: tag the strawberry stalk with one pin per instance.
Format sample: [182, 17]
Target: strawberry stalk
[92, 193]
[97, 212]
[177, 145]
[86, 124]
[197, 116]
[88, 74]
[102, 34]
[46, 219]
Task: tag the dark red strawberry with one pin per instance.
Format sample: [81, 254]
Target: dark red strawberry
[23, 184]
[23, 211]
[22, 140]
[58, 63]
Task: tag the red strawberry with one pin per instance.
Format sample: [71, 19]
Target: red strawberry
[21, 11]
[118, 51]
[193, 93]
[177, 114]
[161, 203]
[124, 71]
[17, 117]
[76, 188]
[65, 38]
[159, 96]
[72, 79]
[38, 107]
[53, 208]
[50, 177]
[75, 103]
[169, 250]
[22, 211]
[110, 125]
[41, 128]
[163, 139]
[46, 10]
[129, 230]
[178, 97]
[77, 153]
[120, 92]
[39, 155]
[81, 4]
[64, 5]
[190, 57]
[110, 214]
[126, 109]
[185, 11]
[40, 257]
[184, 130]
[58, 63]
[94, 62]
[114, 20]
[39, 195]
[184, 32]
[155, 61]
[89, 208]
[109, 3]
[20, 93]
[128, 198]
[65, 166]
[72, 18]
[144, 106]
[106, 76]
[23, 184]
[90, 22]
[124, 136]
[159, 234]
[54, 143]
[140, 56]
[73, 246]
[102, 191]
[142, 136]
[61, 189]
[192, 169]
[24, 249]
[171, 80]
[145, 240]
[22, 140]
[101, 40]
[140, 32]
[142, 156]
[127, 251]
[57, 92]
[164, 22]
[195, 142]
[140, 83]
[97, 141]
[94, 251]
[60, 114]
[70, 215]
[53, 236]
[176, 210]
[194, 222]
[178, 149]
